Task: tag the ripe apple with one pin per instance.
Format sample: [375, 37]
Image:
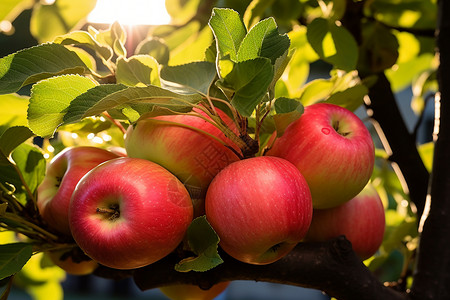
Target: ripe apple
[361, 220]
[193, 292]
[181, 147]
[63, 173]
[65, 260]
[260, 208]
[129, 212]
[333, 150]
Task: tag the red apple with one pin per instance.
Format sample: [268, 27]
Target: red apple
[129, 212]
[65, 261]
[193, 292]
[181, 147]
[63, 173]
[333, 150]
[260, 208]
[361, 220]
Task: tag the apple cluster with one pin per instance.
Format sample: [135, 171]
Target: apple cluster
[128, 210]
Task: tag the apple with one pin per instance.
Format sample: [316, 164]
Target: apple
[333, 150]
[62, 175]
[361, 220]
[193, 292]
[260, 208]
[66, 261]
[183, 148]
[129, 212]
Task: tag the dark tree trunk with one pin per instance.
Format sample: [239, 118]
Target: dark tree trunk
[432, 278]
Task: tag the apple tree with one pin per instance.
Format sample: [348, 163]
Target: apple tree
[87, 85]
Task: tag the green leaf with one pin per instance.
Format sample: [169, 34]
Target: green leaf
[137, 70]
[250, 80]
[107, 97]
[86, 100]
[182, 11]
[229, 31]
[31, 163]
[333, 43]
[13, 257]
[13, 111]
[197, 76]
[287, 111]
[263, 40]
[426, 152]
[50, 99]
[13, 137]
[379, 49]
[62, 16]
[84, 38]
[114, 37]
[10, 9]
[315, 91]
[203, 242]
[350, 98]
[36, 63]
[156, 48]
[254, 10]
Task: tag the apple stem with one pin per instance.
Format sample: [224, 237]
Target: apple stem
[337, 128]
[112, 212]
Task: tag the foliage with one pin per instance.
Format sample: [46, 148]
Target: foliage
[253, 60]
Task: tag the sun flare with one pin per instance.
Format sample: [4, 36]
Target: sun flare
[130, 12]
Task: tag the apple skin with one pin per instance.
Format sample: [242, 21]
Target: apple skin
[195, 158]
[193, 292]
[260, 208]
[337, 164]
[65, 261]
[62, 175]
[361, 220]
[129, 212]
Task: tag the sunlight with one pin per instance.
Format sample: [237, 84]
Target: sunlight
[130, 12]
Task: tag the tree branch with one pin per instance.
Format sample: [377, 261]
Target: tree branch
[329, 266]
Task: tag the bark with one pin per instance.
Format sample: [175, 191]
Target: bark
[330, 266]
[432, 278]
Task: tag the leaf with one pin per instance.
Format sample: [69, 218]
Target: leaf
[316, 90]
[86, 100]
[13, 257]
[263, 40]
[250, 80]
[229, 31]
[31, 163]
[287, 111]
[333, 43]
[13, 111]
[350, 98]
[426, 152]
[379, 49]
[203, 241]
[84, 38]
[50, 99]
[60, 17]
[114, 37]
[13, 137]
[254, 10]
[106, 97]
[156, 48]
[10, 9]
[36, 63]
[137, 70]
[197, 76]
